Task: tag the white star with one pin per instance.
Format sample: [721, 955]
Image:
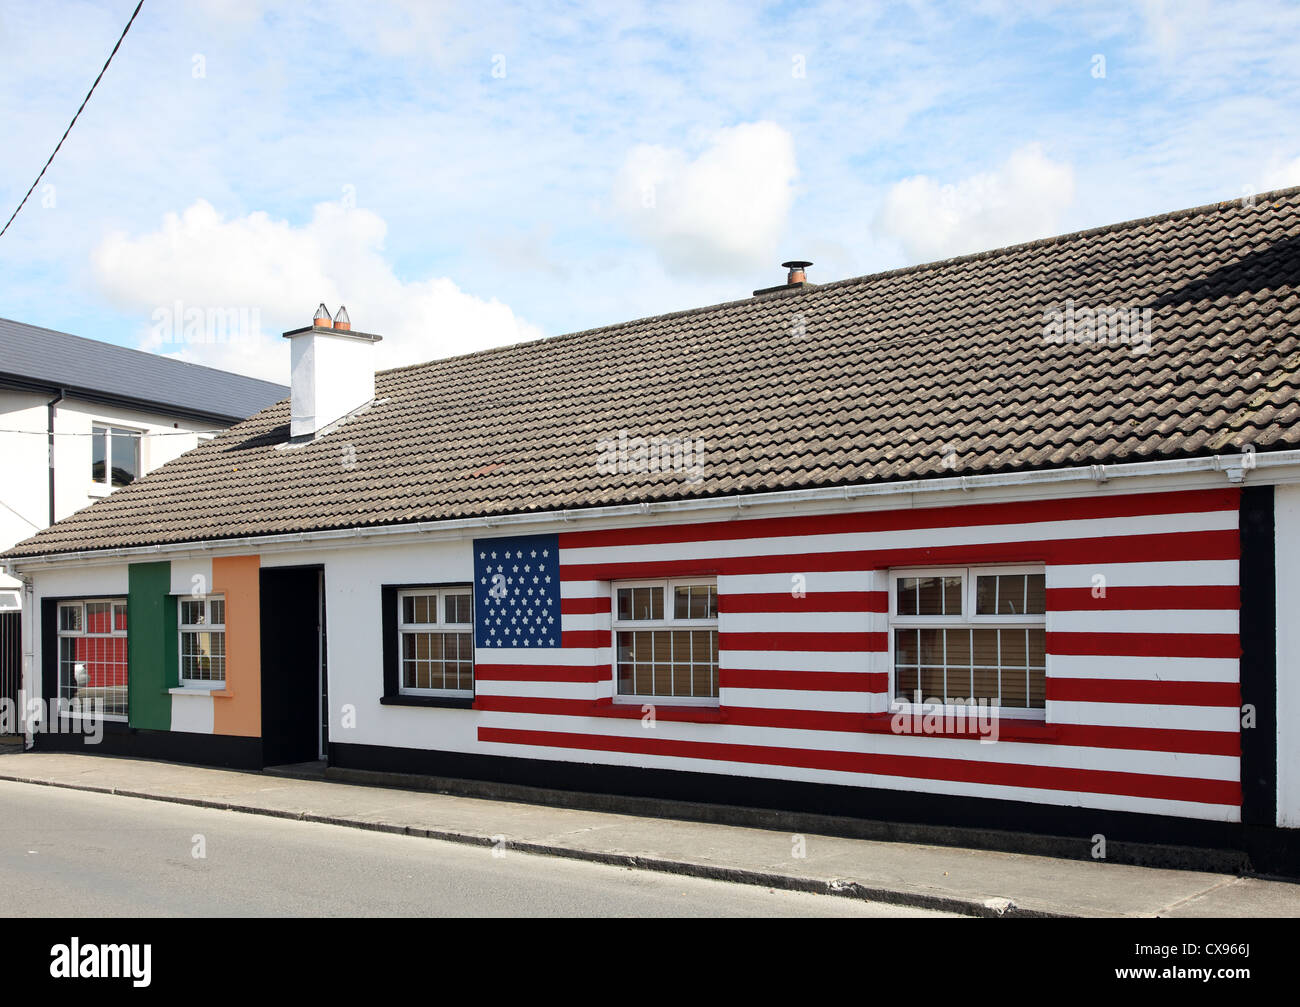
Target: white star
[533, 553]
[494, 555]
[482, 555]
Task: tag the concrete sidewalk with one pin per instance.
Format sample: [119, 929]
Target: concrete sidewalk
[973, 882]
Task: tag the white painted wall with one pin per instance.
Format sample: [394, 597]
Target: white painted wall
[1286, 516]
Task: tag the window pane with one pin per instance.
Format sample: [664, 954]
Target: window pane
[408, 610]
[986, 595]
[681, 602]
[99, 617]
[929, 596]
[458, 609]
[126, 457]
[119, 617]
[931, 646]
[1036, 600]
[70, 618]
[647, 603]
[931, 684]
[952, 595]
[98, 449]
[191, 612]
[907, 595]
[1011, 594]
[217, 612]
[905, 647]
[624, 603]
[905, 689]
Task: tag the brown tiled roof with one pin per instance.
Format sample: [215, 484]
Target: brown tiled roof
[930, 371]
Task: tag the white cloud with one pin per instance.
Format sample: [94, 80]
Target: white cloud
[1023, 199]
[271, 275]
[1280, 174]
[724, 211]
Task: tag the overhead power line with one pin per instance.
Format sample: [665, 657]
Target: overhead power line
[74, 118]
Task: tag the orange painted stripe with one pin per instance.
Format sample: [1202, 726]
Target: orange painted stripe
[240, 713]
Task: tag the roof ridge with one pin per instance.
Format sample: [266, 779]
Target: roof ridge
[813, 289]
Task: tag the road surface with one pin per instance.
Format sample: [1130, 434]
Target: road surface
[71, 853]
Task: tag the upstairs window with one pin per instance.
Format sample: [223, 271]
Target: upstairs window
[437, 641]
[114, 456]
[93, 655]
[667, 641]
[970, 635]
[203, 642]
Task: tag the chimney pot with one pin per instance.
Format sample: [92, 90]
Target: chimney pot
[341, 320]
[322, 317]
[797, 272]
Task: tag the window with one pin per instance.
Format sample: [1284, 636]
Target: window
[437, 647]
[203, 642]
[114, 456]
[93, 654]
[667, 641]
[970, 635]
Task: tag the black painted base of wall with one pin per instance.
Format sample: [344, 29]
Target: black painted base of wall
[222, 751]
[1150, 840]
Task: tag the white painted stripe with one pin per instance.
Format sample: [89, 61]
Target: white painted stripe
[1144, 669]
[800, 699]
[1158, 574]
[546, 690]
[796, 660]
[780, 583]
[584, 589]
[587, 622]
[800, 622]
[1183, 622]
[791, 545]
[1169, 717]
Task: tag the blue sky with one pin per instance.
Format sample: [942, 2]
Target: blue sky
[464, 175]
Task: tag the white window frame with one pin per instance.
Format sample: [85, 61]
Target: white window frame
[62, 634]
[214, 684]
[967, 619]
[441, 626]
[104, 429]
[668, 622]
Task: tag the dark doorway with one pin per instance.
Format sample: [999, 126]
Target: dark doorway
[11, 656]
[293, 673]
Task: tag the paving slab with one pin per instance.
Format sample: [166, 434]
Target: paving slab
[971, 881]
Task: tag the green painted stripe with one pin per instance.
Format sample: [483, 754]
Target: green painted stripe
[152, 645]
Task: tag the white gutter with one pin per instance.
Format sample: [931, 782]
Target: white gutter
[1234, 466]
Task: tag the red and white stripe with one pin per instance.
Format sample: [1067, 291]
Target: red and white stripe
[1143, 701]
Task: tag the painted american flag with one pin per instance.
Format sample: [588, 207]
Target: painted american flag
[1142, 692]
[517, 592]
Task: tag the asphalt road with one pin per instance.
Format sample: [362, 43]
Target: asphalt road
[71, 853]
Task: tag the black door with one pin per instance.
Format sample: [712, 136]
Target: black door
[11, 657]
[291, 664]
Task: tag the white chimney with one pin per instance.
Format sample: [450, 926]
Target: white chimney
[333, 372]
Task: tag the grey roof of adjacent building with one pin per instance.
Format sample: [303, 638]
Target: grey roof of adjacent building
[46, 358]
[933, 371]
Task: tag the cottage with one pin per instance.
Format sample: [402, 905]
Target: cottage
[932, 556]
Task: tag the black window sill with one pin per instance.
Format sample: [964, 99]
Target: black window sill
[445, 702]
